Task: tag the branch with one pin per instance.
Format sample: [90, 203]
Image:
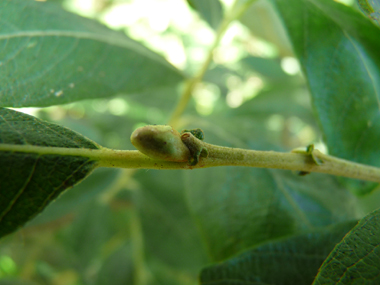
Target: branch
[217, 156]
[224, 156]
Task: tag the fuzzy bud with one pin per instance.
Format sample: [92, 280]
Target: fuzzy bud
[160, 142]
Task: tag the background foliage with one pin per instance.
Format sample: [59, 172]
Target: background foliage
[286, 74]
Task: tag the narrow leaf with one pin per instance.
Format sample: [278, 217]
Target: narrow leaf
[339, 52]
[78, 197]
[291, 261]
[356, 259]
[210, 10]
[267, 67]
[170, 234]
[50, 56]
[237, 208]
[30, 181]
[118, 269]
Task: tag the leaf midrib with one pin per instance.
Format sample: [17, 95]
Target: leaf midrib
[108, 39]
[354, 44]
[46, 150]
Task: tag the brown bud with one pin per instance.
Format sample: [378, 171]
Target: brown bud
[160, 142]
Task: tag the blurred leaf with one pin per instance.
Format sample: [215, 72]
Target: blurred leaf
[357, 257]
[289, 261]
[88, 233]
[339, 52]
[262, 21]
[159, 100]
[219, 75]
[237, 208]
[210, 10]
[50, 57]
[285, 103]
[235, 131]
[16, 281]
[270, 68]
[118, 268]
[249, 126]
[371, 8]
[280, 99]
[369, 203]
[73, 199]
[30, 181]
[163, 274]
[170, 236]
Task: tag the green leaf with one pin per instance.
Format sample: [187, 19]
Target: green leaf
[50, 56]
[89, 232]
[170, 234]
[286, 101]
[118, 269]
[30, 181]
[357, 257]
[16, 281]
[210, 10]
[163, 274]
[237, 208]
[78, 197]
[339, 52]
[290, 261]
[270, 68]
[261, 19]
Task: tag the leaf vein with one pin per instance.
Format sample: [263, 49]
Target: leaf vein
[19, 193]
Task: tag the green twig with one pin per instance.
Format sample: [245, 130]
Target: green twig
[217, 156]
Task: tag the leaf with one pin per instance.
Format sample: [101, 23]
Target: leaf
[269, 68]
[357, 257]
[211, 11]
[118, 269]
[283, 100]
[16, 281]
[89, 232]
[50, 56]
[339, 52]
[163, 274]
[261, 19]
[294, 260]
[170, 234]
[237, 208]
[219, 75]
[30, 181]
[370, 8]
[77, 197]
